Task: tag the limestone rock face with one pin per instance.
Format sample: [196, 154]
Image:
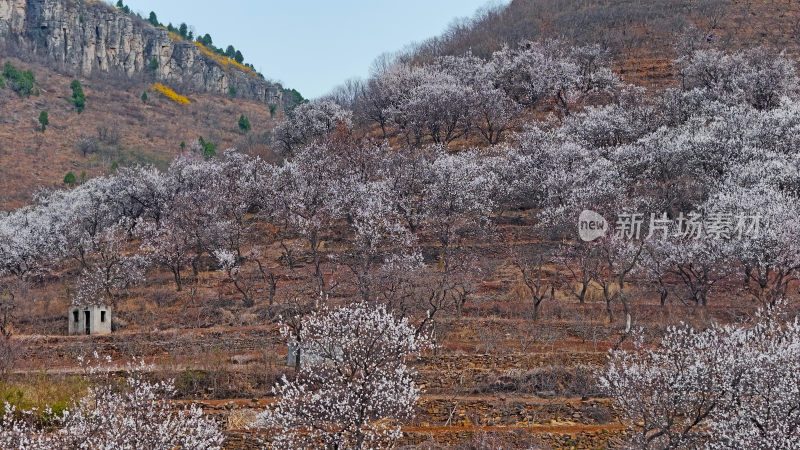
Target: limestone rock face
[12, 16]
[85, 37]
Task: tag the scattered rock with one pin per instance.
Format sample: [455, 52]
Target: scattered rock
[242, 359]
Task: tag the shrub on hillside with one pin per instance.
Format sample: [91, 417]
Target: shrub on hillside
[109, 134]
[44, 120]
[208, 149]
[69, 179]
[244, 124]
[21, 82]
[87, 146]
[78, 97]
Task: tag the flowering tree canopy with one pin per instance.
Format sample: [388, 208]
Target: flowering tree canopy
[722, 387]
[137, 415]
[353, 385]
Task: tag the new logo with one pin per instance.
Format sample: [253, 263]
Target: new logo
[591, 226]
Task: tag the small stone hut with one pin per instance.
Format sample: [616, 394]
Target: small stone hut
[95, 319]
[305, 357]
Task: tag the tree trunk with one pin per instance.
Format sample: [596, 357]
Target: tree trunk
[176, 273]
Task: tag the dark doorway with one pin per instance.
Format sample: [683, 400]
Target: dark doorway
[87, 316]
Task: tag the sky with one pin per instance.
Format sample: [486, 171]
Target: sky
[313, 45]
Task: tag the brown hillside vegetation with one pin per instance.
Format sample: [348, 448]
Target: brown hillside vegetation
[126, 130]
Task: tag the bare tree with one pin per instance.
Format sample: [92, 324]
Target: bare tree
[582, 261]
[10, 349]
[532, 265]
[620, 258]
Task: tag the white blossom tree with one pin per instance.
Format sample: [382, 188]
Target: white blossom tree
[536, 72]
[767, 251]
[309, 193]
[427, 102]
[491, 112]
[665, 394]
[112, 271]
[136, 415]
[377, 233]
[310, 121]
[722, 387]
[170, 247]
[756, 76]
[761, 407]
[354, 386]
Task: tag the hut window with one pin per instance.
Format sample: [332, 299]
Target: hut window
[75, 315]
[102, 316]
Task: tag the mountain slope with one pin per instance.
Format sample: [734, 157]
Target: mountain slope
[117, 57]
[640, 33]
[122, 128]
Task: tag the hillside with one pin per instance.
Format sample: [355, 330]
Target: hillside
[126, 130]
[117, 57]
[546, 246]
[640, 34]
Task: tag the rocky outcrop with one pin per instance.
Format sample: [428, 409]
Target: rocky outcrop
[85, 37]
[12, 17]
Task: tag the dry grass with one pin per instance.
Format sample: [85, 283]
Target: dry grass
[42, 391]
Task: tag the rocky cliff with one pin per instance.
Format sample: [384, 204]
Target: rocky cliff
[85, 37]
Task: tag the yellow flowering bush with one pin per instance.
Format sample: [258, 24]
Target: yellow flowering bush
[223, 60]
[170, 94]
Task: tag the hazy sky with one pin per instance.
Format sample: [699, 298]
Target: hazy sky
[312, 45]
